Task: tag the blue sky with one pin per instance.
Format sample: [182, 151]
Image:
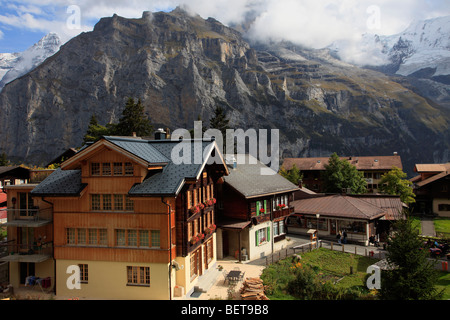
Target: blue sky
[310, 22]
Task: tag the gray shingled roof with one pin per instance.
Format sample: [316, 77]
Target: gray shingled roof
[247, 179]
[60, 183]
[170, 180]
[140, 148]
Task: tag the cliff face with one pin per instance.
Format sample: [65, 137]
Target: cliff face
[183, 66]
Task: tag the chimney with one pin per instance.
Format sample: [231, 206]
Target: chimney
[160, 134]
[395, 153]
[134, 134]
[167, 133]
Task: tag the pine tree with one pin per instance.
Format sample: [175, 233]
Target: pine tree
[219, 121]
[95, 130]
[340, 174]
[413, 276]
[133, 120]
[4, 160]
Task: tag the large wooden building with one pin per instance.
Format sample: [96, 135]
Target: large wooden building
[432, 189]
[373, 167]
[135, 222]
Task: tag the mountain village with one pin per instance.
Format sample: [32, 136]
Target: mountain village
[135, 225]
[134, 213]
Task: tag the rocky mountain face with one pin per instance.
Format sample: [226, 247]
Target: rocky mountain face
[183, 66]
[15, 65]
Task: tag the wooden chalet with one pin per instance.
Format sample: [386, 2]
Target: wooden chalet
[432, 189]
[137, 223]
[373, 167]
[251, 210]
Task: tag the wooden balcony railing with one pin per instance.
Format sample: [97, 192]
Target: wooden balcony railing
[35, 214]
[35, 252]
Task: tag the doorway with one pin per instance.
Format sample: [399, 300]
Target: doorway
[26, 269]
[333, 226]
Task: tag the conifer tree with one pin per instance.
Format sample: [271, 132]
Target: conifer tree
[95, 130]
[219, 121]
[4, 160]
[412, 276]
[133, 120]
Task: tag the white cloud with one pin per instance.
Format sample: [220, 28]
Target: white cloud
[314, 23]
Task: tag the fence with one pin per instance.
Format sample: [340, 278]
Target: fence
[308, 247]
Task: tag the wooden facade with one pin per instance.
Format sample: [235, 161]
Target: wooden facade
[139, 234]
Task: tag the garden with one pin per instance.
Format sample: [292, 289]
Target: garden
[324, 274]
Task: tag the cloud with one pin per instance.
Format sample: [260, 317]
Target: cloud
[313, 23]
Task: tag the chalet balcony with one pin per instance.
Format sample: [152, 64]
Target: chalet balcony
[31, 218]
[284, 212]
[34, 253]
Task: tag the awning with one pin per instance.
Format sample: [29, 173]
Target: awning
[233, 224]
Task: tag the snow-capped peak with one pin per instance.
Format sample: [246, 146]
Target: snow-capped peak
[424, 44]
[17, 64]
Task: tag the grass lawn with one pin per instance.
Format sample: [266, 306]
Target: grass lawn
[444, 283]
[330, 265]
[442, 224]
[416, 223]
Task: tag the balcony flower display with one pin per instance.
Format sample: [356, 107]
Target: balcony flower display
[262, 210]
[194, 209]
[194, 240]
[210, 229]
[210, 202]
[281, 206]
[201, 206]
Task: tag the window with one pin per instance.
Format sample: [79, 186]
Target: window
[278, 228]
[95, 202]
[106, 169]
[444, 207]
[93, 237]
[120, 237]
[156, 242]
[83, 273]
[118, 170]
[261, 207]
[143, 238]
[118, 202]
[70, 236]
[129, 169]
[95, 169]
[132, 238]
[352, 226]
[138, 276]
[138, 238]
[108, 202]
[262, 236]
[83, 236]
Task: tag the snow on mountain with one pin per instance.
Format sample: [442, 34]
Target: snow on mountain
[423, 45]
[15, 65]
[7, 61]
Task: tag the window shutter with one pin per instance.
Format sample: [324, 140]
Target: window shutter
[257, 208]
[268, 234]
[265, 206]
[257, 237]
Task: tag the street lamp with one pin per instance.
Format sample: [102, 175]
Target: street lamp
[317, 216]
